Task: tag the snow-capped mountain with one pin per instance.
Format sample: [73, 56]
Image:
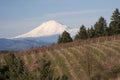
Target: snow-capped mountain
[45, 34]
[48, 28]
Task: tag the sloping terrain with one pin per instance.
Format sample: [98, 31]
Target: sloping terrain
[80, 62]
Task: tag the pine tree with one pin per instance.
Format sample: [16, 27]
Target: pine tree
[91, 32]
[82, 34]
[116, 15]
[14, 68]
[107, 32]
[100, 27]
[3, 70]
[65, 37]
[115, 23]
[59, 39]
[77, 37]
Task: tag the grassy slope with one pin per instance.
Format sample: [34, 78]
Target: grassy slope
[75, 61]
[80, 62]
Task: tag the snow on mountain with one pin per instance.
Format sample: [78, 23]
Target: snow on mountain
[73, 31]
[48, 29]
[45, 34]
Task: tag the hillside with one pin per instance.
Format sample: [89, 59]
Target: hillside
[96, 58]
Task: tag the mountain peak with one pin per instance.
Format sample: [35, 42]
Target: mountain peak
[45, 29]
[51, 21]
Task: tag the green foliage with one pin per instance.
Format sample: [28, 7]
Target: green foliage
[115, 23]
[116, 15]
[14, 68]
[3, 70]
[65, 38]
[82, 34]
[100, 27]
[59, 39]
[91, 32]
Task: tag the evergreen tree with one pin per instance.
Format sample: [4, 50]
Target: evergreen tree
[77, 37]
[100, 27]
[107, 32]
[3, 70]
[115, 23]
[14, 68]
[116, 15]
[59, 39]
[82, 34]
[91, 32]
[65, 38]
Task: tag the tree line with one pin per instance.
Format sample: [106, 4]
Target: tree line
[99, 29]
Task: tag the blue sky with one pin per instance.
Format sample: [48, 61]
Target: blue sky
[21, 16]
